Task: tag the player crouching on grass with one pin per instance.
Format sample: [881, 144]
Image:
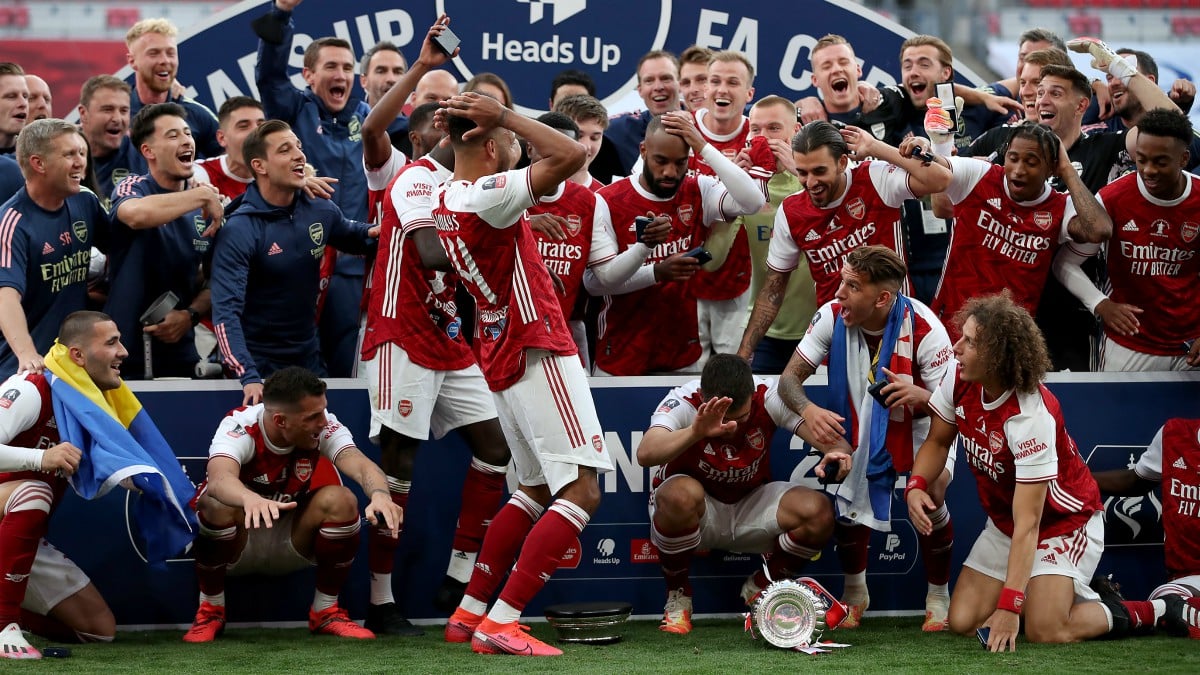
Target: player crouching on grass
[259, 513]
[711, 441]
[1045, 529]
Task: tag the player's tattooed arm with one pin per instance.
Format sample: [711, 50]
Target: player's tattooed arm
[791, 384]
[381, 512]
[766, 308]
[825, 425]
[1091, 223]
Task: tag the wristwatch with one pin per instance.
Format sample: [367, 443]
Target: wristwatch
[195, 316]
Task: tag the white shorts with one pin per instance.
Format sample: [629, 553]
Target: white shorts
[52, 579]
[1188, 587]
[270, 550]
[722, 323]
[1115, 358]
[1073, 555]
[749, 525]
[550, 422]
[414, 401]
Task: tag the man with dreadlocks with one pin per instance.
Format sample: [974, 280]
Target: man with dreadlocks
[1008, 222]
[1045, 529]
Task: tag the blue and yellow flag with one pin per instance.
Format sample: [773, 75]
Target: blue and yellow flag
[119, 440]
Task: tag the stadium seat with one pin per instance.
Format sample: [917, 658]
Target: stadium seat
[122, 17]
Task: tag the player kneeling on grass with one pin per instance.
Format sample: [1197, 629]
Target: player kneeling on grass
[711, 439]
[1169, 461]
[1045, 529]
[259, 513]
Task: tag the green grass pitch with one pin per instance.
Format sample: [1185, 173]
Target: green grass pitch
[892, 645]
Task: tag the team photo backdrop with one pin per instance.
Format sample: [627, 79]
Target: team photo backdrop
[1111, 419]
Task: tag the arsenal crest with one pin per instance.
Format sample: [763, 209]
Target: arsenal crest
[316, 232]
[574, 224]
[1189, 231]
[303, 469]
[996, 441]
[598, 443]
[404, 407]
[857, 208]
[685, 213]
[755, 439]
[1043, 219]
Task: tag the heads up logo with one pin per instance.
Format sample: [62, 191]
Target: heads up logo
[541, 38]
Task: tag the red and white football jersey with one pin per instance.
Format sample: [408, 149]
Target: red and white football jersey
[1018, 438]
[593, 183]
[1152, 263]
[486, 234]
[932, 354]
[280, 474]
[589, 241]
[998, 242]
[656, 328]
[379, 182]
[410, 305]
[868, 213]
[215, 172]
[733, 277]
[1173, 458]
[27, 421]
[728, 468]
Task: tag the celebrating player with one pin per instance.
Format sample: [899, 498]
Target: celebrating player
[656, 329]
[262, 513]
[875, 336]
[711, 441]
[1009, 223]
[1151, 318]
[1171, 460]
[840, 209]
[528, 359]
[1045, 529]
[40, 588]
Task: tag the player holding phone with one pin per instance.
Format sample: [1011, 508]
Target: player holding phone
[886, 352]
[656, 329]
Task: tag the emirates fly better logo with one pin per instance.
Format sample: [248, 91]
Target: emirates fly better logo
[541, 38]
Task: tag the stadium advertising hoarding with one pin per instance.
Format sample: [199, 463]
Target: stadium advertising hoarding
[527, 42]
[1111, 419]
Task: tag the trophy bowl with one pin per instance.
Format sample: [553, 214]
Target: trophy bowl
[589, 622]
[789, 614]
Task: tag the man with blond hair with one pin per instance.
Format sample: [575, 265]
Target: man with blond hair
[14, 105]
[154, 58]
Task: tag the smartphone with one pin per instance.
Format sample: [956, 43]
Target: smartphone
[700, 253]
[447, 42]
[923, 155]
[876, 392]
[983, 634]
[945, 91]
[640, 224]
